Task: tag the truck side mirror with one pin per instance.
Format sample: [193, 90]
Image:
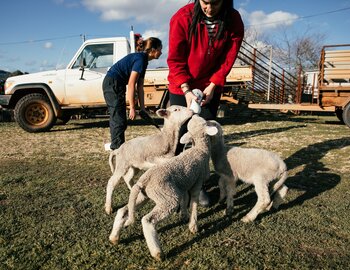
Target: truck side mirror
[82, 64]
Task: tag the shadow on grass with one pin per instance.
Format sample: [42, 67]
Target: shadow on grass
[246, 115]
[315, 178]
[254, 117]
[103, 123]
[255, 133]
[205, 231]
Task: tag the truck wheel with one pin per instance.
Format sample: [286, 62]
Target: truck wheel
[346, 115]
[339, 114]
[34, 113]
[63, 119]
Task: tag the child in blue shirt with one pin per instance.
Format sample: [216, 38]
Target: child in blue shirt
[129, 71]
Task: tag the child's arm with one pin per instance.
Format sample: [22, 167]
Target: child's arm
[134, 76]
[140, 92]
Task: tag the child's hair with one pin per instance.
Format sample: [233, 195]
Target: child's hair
[138, 42]
[151, 43]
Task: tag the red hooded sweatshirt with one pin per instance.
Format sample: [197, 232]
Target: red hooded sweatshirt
[201, 61]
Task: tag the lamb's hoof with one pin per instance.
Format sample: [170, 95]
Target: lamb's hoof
[222, 199]
[277, 202]
[268, 208]
[246, 219]
[185, 219]
[276, 206]
[193, 229]
[159, 256]
[229, 212]
[108, 210]
[204, 199]
[114, 239]
[128, 222]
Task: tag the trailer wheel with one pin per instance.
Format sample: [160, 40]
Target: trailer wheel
[339, 114]
[34, 113]
[346, 115]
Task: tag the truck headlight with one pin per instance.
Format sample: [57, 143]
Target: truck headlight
[8, 84]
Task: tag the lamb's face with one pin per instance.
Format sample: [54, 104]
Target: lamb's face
[175, 114]
[196, 125]
[197, 128]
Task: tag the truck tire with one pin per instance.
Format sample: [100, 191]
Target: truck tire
[63, 119]
[346, 115]
[339, 114]
[34, 113]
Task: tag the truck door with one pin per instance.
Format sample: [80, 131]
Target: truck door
[84, 86]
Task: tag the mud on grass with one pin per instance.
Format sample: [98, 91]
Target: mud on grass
[52, 191]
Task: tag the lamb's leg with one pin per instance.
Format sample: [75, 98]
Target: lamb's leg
[149, 223]
[112, 182]
[230, 193]
[222, 187]
[192, 225]
[140, 200]
[280, 189]
[184, 207]
[129, 176]
[121, 218]
[263, 202]
[279, 195]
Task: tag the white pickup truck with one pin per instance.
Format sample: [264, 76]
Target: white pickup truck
[39, 99]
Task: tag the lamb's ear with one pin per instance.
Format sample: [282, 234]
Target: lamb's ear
[186, 138]
[211, 131]
[162, 113]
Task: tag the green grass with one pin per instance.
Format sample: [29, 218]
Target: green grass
[52, 192]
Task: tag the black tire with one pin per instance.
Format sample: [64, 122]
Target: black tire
[34, 113]
[339, 114]
[346, 115]
[63, 119]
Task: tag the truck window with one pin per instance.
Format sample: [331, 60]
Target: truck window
[96, 56]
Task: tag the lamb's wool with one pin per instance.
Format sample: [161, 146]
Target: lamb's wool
[141, 153]
[262, 168]
[168, 185]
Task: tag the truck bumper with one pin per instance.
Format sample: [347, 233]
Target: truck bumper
[5, 100]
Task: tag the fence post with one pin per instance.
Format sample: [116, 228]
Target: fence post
[270, 69]
[283, 88]
[298, 95]
[253, 69]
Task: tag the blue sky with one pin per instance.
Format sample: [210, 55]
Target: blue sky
[44, 34]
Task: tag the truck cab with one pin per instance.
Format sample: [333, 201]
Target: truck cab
[85, 73]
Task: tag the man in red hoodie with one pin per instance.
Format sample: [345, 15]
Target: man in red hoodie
[204, 39]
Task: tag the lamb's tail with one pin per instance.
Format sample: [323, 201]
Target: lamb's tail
[279, 189]
[135, 190]
[280, 182]
[112, 161]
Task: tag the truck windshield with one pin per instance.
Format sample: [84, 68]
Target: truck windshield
[96, 56]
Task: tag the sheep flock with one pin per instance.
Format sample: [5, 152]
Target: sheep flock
[173, 182]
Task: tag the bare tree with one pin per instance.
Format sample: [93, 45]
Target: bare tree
[301, 50]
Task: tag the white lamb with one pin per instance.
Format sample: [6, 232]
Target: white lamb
[141, 153]
[168, 185]
[264, 169]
